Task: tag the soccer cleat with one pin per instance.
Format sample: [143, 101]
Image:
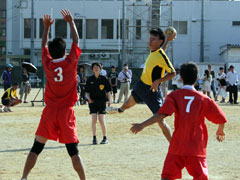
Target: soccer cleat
[104, 141]
[94, 141]
[111, 110]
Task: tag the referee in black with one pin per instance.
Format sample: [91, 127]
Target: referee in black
[97, 88]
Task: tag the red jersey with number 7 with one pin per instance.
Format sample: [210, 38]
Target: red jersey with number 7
[61, 86]
[191, 108]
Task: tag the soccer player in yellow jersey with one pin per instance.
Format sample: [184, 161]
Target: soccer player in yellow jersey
[147, 88]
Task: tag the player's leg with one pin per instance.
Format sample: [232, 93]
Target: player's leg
[197, 167]
[94, 124]
[76, 160]
[172, 168]
[37, 148]
[128, 104]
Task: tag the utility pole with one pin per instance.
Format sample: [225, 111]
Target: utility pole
[202, 33]
[32, 33]
[123, 59]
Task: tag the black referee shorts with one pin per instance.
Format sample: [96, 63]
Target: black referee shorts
[114, 89]
[98, 107]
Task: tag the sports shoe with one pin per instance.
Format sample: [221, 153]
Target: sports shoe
[104, 141]
[5, 109]
[111, 110]
[94, 142]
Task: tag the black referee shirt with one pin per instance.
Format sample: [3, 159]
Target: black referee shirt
[97, 87]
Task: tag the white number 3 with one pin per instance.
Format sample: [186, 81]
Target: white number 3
[190, 98]
[59, 77]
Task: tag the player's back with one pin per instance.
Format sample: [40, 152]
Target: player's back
[190, 108]
[61, 78]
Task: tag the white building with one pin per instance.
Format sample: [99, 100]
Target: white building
[97, 22]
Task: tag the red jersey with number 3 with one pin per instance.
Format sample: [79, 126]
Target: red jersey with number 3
[191, 107]
[61, 87]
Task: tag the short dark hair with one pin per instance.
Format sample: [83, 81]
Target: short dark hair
[15, 84]
[221, 68]
[125, 65]
[158, 32]
[231, 67]
[57, 48]
[189, 73]
[113, 67]
[96, 64]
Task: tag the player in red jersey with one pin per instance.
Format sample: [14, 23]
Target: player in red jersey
[58, 121]
[188, 142]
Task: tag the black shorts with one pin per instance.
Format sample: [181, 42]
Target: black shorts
[5, 102]
[114, 89]
[97, 107]
[142, 93]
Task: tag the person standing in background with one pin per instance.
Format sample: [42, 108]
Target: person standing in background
[112, 76]
[82, 84]
[125, 77]
[103, 72]
[232, 79]
[207, 79]
[222, 85]
[25, 85]
[213, 87]
[7, 77]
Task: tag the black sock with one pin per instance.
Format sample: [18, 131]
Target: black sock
[94, 137]
[119, 110]
[104, 137]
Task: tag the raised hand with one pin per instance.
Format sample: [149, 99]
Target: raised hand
[47, 21]
[67, 15]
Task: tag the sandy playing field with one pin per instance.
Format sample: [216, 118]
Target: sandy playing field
[127, 157]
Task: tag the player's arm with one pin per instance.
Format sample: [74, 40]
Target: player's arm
[47, 22]
[167, 77]
[87, 95]
[220, 135]
[109, 98]
[157, 118]
[167, 40]
[69, 19]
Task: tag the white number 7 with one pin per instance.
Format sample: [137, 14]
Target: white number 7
[190, 98]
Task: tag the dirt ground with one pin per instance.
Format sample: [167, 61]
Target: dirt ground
[127, 157]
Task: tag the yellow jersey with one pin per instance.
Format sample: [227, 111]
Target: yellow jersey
[9, 93]
[155, 66]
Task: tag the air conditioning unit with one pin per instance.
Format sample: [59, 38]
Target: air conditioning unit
[93, 56]
[105, 55]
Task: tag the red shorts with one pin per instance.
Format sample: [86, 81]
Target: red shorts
[58, 124]
[196, 167]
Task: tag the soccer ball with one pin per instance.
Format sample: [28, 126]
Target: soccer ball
[170, 32]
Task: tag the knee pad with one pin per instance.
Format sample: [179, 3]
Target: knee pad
[72, 149]
[37, 147]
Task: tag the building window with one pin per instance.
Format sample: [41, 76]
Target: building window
[92, 29]
[2, 32]
[27, 52]
[107, 28]
[42, 28]
[79, 26]
[120, 29]
[61, 28]
[138, 29]
[3, 15]
[27, 28]
[236, 23]
[180, 26]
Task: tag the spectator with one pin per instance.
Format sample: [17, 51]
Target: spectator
[222, 85]
[112, 76]
[25, 85]
[7, 77]
[82, 84]
[9, 98]
[125, 77]
[103, 72]
[232, 79]
[212, 73]
[207, 79]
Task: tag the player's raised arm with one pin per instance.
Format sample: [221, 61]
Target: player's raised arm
[69, 19]
[47, 22]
